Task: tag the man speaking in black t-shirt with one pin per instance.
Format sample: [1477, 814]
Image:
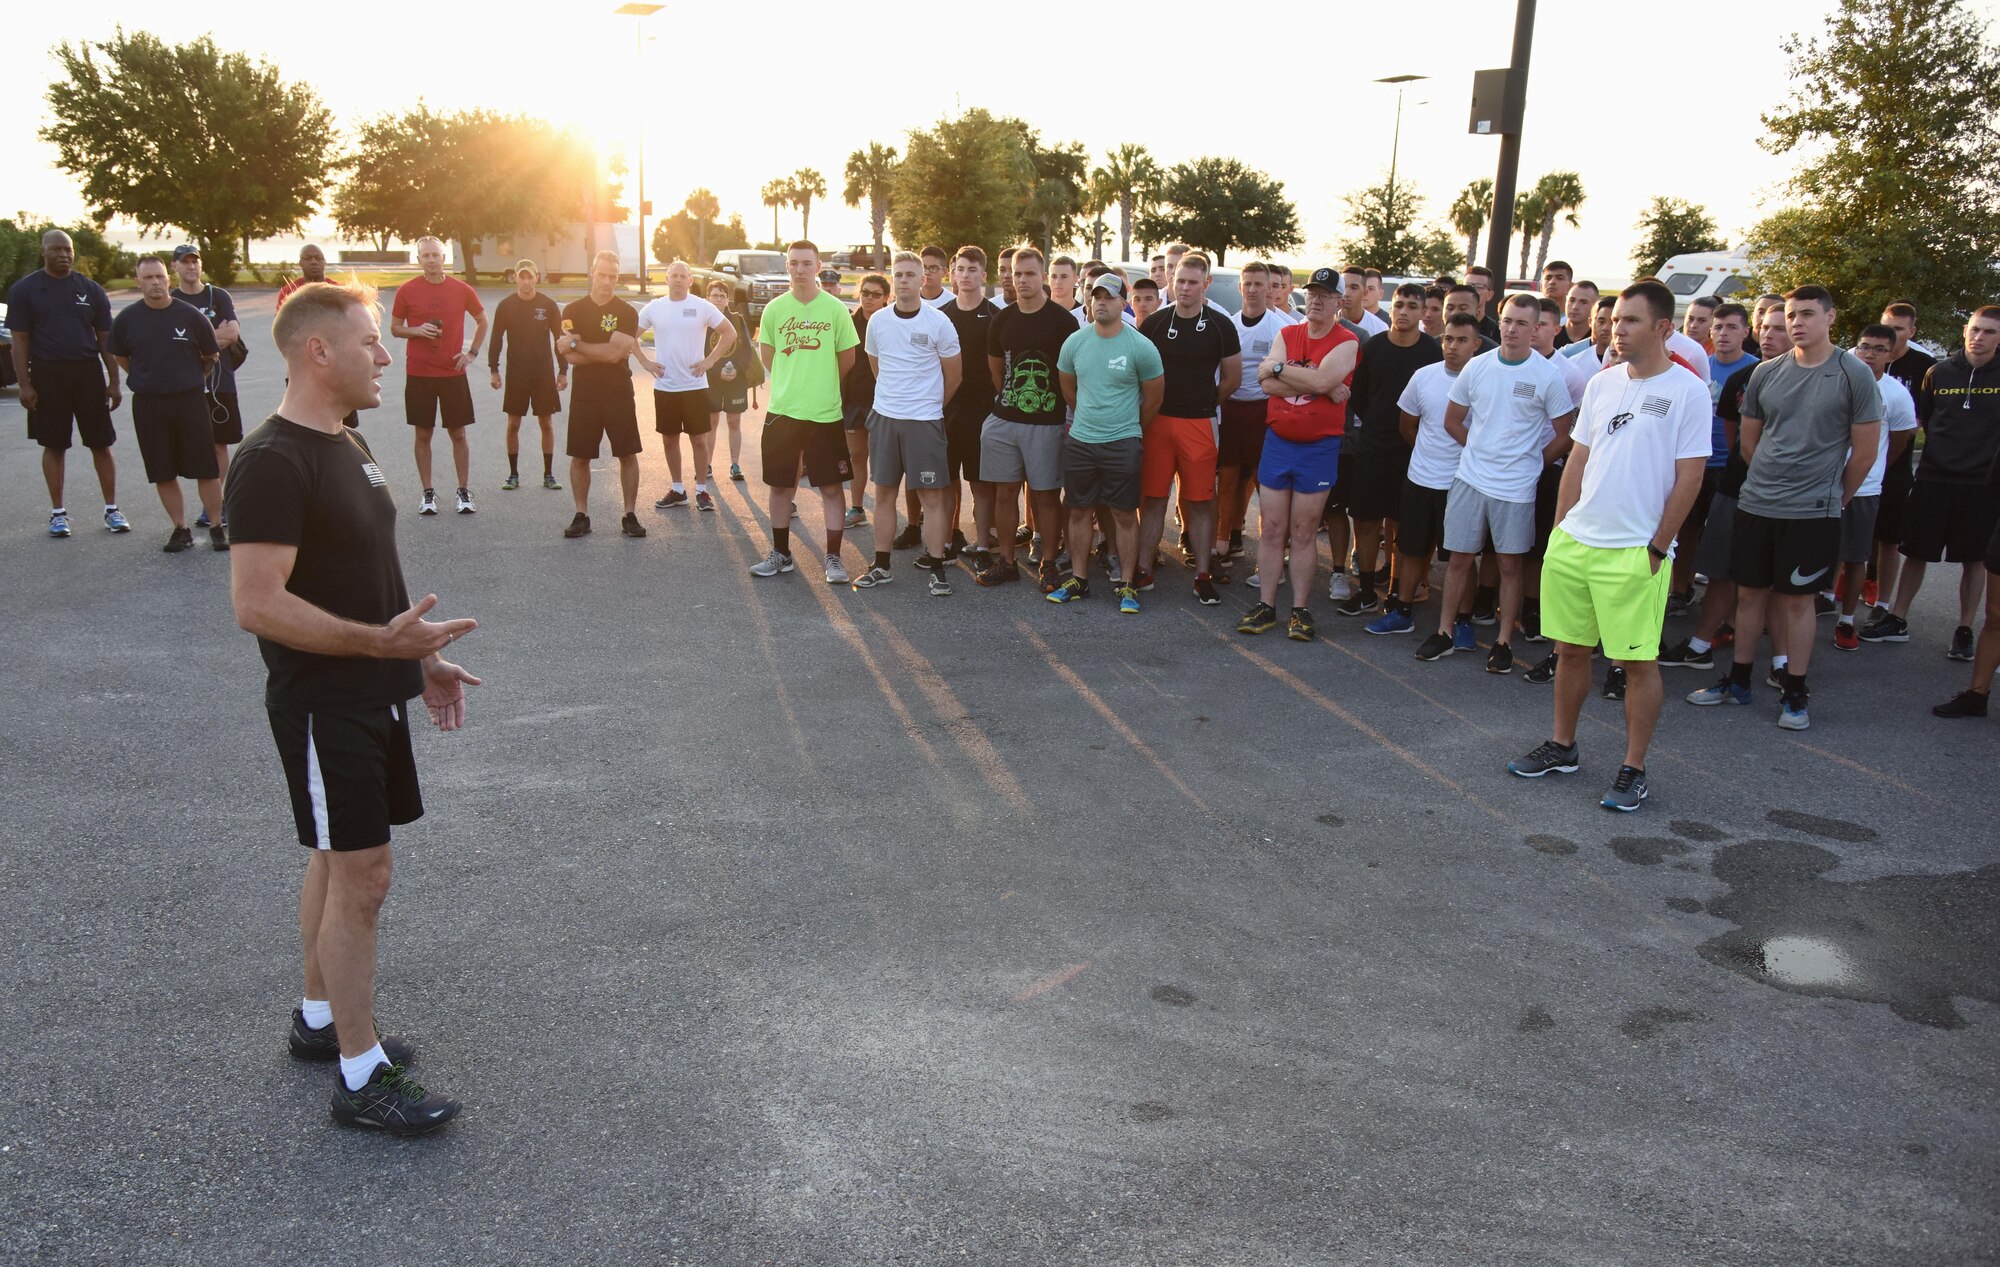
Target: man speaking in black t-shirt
[316, 578]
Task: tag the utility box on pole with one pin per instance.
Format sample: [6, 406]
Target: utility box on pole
[1497, 100]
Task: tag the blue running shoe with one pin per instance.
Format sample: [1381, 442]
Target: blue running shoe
[1723, 692]
[58, 524]
[1792, 715]
[115, 521]
[1075, 589]
[1462, 637]
[1128, 600]
[201, 520]
[1392, 622]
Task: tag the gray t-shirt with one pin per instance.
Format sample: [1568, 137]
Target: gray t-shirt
[1808, 414]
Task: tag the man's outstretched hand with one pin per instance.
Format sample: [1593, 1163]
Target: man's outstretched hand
[444, 692]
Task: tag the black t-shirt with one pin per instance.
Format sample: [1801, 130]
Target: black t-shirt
[298, 486]
[742, 355]
[164, 345]
[1730, 405]
[529, 328]
[61, 315]
[1909, 369]
[1192, 350]
[1374, 423]
[593, 322]
[857, 386]
[1027, 345]
[1491, 329]
[974, 327]
[217, 305]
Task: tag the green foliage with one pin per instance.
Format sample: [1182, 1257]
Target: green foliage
[1056, 195]
[778, 193]
[1893, 110]
[97, 257]
[189, 137]
[1131, 176]
[1468, 214]
[871, 176]
[963, 180]
[1560, 195]
[1670, 227]
[806, 185]
[1386, 236]
[1529, 213]
[1218, 204]
[680, 236]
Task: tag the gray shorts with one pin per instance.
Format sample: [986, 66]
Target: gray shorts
[900, 449]
[1470, 517]
[1857, 528]
[1717, 538]
[1014, 452]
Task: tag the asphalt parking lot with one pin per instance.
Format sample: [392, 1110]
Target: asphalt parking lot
[764, 922]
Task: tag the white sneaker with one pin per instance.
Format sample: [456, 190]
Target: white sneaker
[873, 577]
[465, 506]
[1340, 588]
[836, 571]
[429, 505]
[772, 564]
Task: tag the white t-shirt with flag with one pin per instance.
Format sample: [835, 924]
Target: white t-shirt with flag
[1635, 430]
[680, 338]
[1513, 407]
[1434, 459]
[909, 349]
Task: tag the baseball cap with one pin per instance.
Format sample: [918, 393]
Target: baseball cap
[183, 251]
[1113, 281]
[1326, 279]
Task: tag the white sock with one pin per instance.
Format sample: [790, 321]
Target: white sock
[1846, 618]
[1698, 645]
[678, 488]
[1778, 663]
[57, 510]
[354, 1073]
[318, 1012]
[110, 505]
[700, 487]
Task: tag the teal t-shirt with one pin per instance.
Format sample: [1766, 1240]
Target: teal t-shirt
[1108, 373]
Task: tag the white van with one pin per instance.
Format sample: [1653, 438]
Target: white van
[1722, 274]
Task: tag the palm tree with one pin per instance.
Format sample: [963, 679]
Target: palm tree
[869, 173]
[777, 193]
[702, 207]
[1130, 175]
[807, 185]
[1561, 194]
[1529, 213]
[1099, 196]
[1468, 215]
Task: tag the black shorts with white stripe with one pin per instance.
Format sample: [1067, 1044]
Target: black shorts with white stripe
[351, 773]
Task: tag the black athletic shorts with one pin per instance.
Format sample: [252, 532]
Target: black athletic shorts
[964, 426]
[1948, 522]
[1420, 520]
[425, 398]
[1240, 440]
[351, 773]
[530, 393]
[1896, 481]
[176, 439]
[1102, 474]
[1343, 484]
[728, 399]
[821, 446]
[70, 392]
[1786, 556]
[1993, 555]
[598, 413]
[1375, 489]
[1697, 519]
[229, 429]
[1548, 486]
[677, 413]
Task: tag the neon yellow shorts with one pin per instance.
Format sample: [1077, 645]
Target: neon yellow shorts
[1614, 596]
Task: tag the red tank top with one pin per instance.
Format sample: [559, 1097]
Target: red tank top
[1304, 419]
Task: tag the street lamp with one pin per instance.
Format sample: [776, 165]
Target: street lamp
[639, 13]
[1396, 138]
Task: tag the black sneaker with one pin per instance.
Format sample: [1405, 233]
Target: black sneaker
[1543, 672]
[1485, 608]
[1823, 605]
[1678, 604]
[910, 538]
[1963, 704]
[578, 527]
[1023, 535]
[631, 526]
[321, 1045]
[1001, 573]
[930, 564]
[1300, 627]
[1888, 627]
[1628, 789]
[1614, 683]
[218, 541]
[1204, 591]
[1961, 641]
[1550, 758]
[1531, 622]
[1259, 619]
[1683, 656]
[1500, 658]
[671, 500]
[391, 1102]
[954, 547]
[1235, 545]
[1435, 647]
[1358, 604]
[178, 540]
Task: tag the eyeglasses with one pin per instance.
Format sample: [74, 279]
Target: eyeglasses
[872, 293]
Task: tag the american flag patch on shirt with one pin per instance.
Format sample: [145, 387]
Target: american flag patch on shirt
[1656, 406]
[1524, 391]
[374, 474]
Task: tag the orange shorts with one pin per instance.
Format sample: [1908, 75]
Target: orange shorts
[1184, 445]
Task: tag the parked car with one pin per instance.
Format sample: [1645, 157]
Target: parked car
[755, 278]
[6, 351]
[861, 259]
[1225, 285]
[1717, 273]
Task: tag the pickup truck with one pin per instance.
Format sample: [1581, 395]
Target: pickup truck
[861, 259]
[754, 279]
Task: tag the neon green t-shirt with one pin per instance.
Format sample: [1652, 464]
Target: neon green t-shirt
[808, 338]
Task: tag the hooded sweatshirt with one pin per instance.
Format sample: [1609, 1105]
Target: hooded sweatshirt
[1962, 431]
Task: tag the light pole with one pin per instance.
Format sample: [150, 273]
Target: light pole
[1501, 235]
[1396, 138]
[639, 13]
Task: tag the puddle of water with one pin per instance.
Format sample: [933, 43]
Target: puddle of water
[1796, 960]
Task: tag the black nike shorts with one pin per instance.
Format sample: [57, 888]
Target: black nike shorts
[426, 398]
[351, 773]
[1786, 556]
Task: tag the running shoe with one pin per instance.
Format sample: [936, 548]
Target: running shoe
[1792, 715]
[578, 527]
[1683, 656]
[201, 520]
[940, 584]
[1393, 621]
[1846, 637]
[854, 518]
[1048, 576]
[429, 504]
[1870, 594]
[1143, 582]
[1888, 627]
[630, 525]
[1300, 627]
[1543, 672]
[735, 472]
[465, 506]
[911, 537]
[872, 577]
[1614, 683]
[954, 547]
[1259, 619]
[1340, 587]
[772, 564]
[1435, 647]
[1462, 637]
[1204, 590]
[1531, 622]
[1628, 788]
[59, 523]
[1550, 758]
[671, 500]
[512, 483]
[702, 501]
[323, 1044]
[1023, 535]
[1500, 658]
[1235, 545]
[980, 558]
[1963, 704]
[1678, 604]
[1485, 609]
[1359, 603]
[390, 1101]
[1775, 679]
[1128, 601]
[1824, 604]
[218, 540]
[1961, 644]
[1723, 692]
[1004, 572]
[1075, 589]
[1034, 544]
[551, 483]
[836, 572]
[928, 564]
[178, 540]
[1725, 636]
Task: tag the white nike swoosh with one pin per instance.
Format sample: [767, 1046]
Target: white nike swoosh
[1806, 580]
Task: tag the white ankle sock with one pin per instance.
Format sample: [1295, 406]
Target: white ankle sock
[354, 1073]
[1698, 646]
[318, 1012]
[678, 488]
[1778, 663]
[700, 487]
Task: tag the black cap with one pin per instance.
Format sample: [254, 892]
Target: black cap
[1326, 279]
[183, 251]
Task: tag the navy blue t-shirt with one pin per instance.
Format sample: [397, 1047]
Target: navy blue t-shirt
[164, 345]
[61, 315]
[216, 304]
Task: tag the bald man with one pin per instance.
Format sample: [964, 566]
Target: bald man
[60, 321]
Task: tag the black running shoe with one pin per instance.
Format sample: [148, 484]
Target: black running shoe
[1259, 619]
[323, 1045]
[391, 1102]
[1888, 627]
[1300, 627]
[910, 538]
[1963, 644]
[1543, 671]
[1435, 647]
[1358, 604]
[1963, 704]
[1003, 572]
[1550, 758]
[1204, 590]
[178, 540]
[578, 527]
[1683, 656]
[1500, 658]
[1614, 683]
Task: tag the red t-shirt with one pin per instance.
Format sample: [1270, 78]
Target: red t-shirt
[420, 300]
[285, 291]
[1304, 419]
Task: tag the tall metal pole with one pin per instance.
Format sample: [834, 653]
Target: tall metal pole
[639, 61]
[1505, 179]
[1395, 143]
